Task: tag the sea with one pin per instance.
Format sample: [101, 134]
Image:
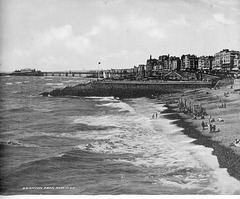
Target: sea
[97, 145]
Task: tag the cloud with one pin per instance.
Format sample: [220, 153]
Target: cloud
[64, 36]
[207, 25]
[103, 23]
[121, 53]
[220, 17]
[109, 22]
[50, 60]
[94, 31]
[20, 53]
[147, 25]
[224, 4]
[143, 23]
[156, 33]
[180, 21]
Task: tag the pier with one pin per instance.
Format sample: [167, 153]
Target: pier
[83, 73]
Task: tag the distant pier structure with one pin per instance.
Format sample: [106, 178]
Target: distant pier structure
[84, 73]
[33, 72]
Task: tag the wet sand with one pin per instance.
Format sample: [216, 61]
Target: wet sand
[221, 141]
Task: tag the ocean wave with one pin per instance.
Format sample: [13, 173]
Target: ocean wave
[16, 143]
[9, 83]
[44, 110]
[110, 98]
[16, 92]
[154, 142]
[120, 105]
[101, 120]
[71, 81]
[17, 108]
[54, 84]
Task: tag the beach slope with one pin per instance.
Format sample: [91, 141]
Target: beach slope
[221, 108]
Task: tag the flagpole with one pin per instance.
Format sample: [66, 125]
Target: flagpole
[98, 69]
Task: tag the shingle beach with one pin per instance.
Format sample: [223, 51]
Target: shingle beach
[222, 106]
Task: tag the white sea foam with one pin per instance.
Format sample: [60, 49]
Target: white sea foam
[8, 83]
[69, 81]
[16, 143]
[102, 120]
[120, 105]
[110, 98]
[54, 84]
[15, 92]
[42, 110]
[157, 142]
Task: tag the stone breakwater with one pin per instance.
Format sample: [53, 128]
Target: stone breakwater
[125, 89]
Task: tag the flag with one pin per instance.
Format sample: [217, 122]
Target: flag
[99, 62]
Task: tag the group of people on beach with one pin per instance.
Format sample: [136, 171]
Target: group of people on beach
[223, 105]
[236, 143]
[212, 125]
[155, 115]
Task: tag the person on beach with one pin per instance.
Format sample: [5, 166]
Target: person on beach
[206, 124]
[203, 125]
[236, 143]
[210, 128]
[213, 128]
[212, 120]
[220, 119]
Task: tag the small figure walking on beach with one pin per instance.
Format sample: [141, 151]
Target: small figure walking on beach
[224, 105]
[211, 127]
[203, 125]
[210, 117]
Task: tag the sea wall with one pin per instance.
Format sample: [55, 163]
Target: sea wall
[225, 82]
[126, 89]
[138, 89]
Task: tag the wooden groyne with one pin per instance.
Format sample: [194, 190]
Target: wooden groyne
[126, 89]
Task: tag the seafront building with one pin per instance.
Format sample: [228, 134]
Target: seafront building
[205, 63]
[163, 62]
[188, 66]
[189, 62]
[174, 63]
[236, 62]
[224, 59]
[176, 68]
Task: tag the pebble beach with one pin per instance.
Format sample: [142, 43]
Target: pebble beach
[222, 108]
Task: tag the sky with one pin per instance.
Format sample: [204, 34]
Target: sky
[62, 35]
